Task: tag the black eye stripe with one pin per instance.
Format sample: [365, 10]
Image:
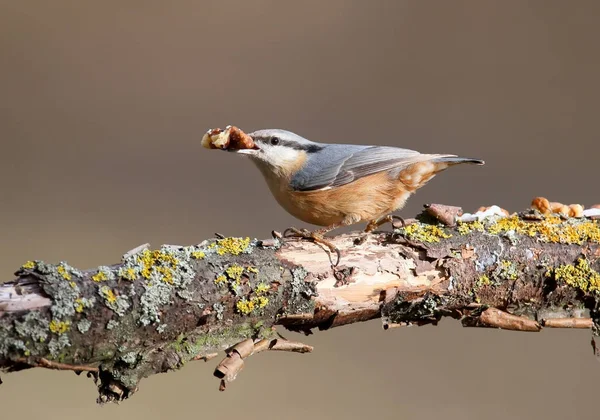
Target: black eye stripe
[308, 148]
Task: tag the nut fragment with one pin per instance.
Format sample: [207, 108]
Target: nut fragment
[559, 208]
[546, 207]
[575, 210]
[541, 204]
[232, 138]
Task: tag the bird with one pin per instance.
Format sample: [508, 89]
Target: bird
[334, 185]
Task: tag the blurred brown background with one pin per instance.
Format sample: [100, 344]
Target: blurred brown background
[102, 108]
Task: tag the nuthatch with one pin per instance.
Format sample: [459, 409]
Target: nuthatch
[334, 185]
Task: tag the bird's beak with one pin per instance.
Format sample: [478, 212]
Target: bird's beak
[245, 151]
[252, 151]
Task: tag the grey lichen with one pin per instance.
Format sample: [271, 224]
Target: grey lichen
[58, 343]
[84, 303]
[33, 326]
[410, 310]
[84, 325]
[161, 328]
[237, 289]
[104, 273]
[61, 282]
[156, 295]
[127, 377]
[118, 303]
[185, 294]
[112, 324]
[165, 273]
[9, 345]
[301, 291]
[506, 270]
[130, 358]
[219, 308]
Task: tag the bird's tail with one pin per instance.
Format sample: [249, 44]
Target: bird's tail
[455, 160]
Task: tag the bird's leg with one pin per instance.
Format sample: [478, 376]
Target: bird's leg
[317, 237]
[374, 224]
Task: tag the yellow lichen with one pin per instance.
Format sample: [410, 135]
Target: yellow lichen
[159, 261]
[425, 232]
[166, 273]
[146, 272]
[508, 270]
[233, 246]
[235, 272]
[79, 306]
[252, 269]
[484, 280]
[261, 301]
[464, 228]
[128, 273]
[100, 276]
[513, 223]
[221, 279]
[29, 265]
[59, 327]
[579, 275]
[261, 288]
[198, 255]
[63, 272]
[552, 229]
[109, 294]
[246, 307]
[73, 284]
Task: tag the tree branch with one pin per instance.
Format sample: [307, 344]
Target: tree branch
[158, 309]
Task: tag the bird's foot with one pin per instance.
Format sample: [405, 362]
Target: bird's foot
[316, 237]
[374, 224]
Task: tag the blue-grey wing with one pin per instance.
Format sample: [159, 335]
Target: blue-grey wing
[337, 165]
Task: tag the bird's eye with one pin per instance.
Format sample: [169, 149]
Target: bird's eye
[274, 141]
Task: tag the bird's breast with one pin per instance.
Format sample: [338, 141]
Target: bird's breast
[365, 199]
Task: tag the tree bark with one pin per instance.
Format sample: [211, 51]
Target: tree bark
[158, 309]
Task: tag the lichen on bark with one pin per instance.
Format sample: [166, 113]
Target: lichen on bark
[158, 309]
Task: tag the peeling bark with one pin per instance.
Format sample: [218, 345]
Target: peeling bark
[158, 309]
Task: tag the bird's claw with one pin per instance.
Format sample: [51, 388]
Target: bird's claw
[293, 232]
[394, 217]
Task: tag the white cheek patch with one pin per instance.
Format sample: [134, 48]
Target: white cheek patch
[287, 155]
[280, 156]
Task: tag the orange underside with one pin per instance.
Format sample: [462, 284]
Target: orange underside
[363, 200]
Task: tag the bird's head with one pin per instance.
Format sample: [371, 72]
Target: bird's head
[280, 151]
